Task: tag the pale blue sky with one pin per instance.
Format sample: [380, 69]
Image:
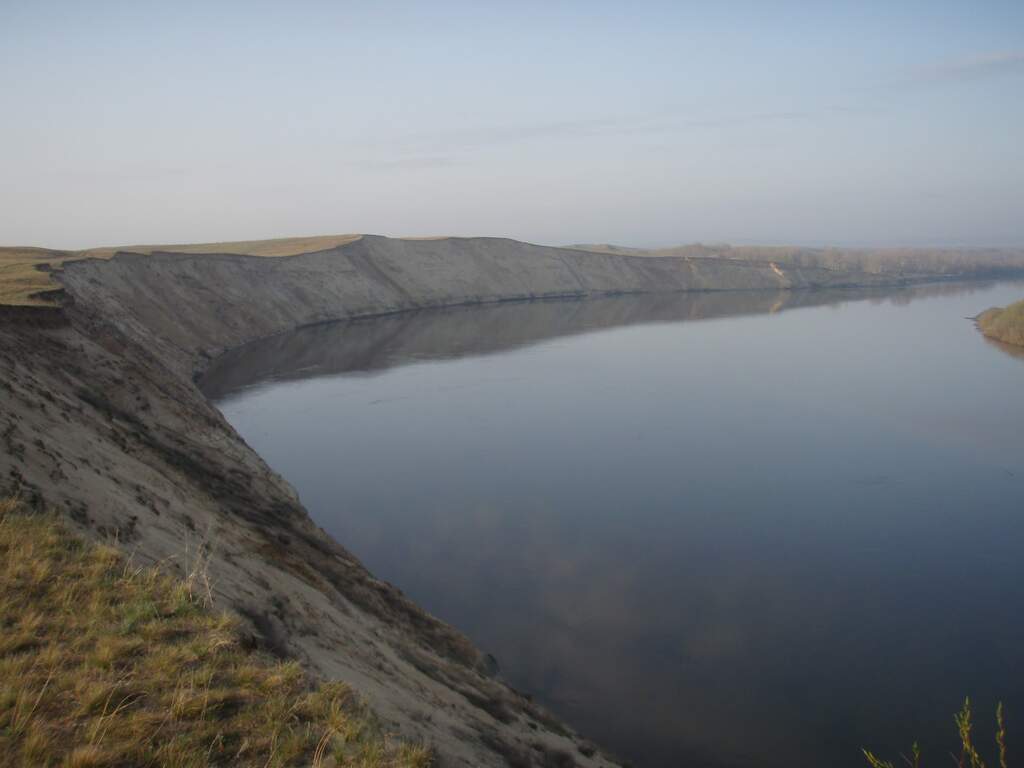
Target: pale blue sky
[643, 123]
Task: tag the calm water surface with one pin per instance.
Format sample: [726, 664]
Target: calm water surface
[712, 530]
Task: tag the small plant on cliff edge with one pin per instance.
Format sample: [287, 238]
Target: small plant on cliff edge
[102, 664]
[969, 756]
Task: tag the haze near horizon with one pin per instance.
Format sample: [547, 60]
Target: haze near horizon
[645, 124]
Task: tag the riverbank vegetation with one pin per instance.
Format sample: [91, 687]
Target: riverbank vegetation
[969, 756]
[106, 663]
[1004, 324]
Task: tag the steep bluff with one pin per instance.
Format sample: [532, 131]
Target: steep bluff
[195, 306]
[100, 419]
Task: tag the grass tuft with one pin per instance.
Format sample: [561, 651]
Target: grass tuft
[969, 756]
[103, 665]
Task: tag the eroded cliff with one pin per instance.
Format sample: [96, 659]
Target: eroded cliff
[101, 419]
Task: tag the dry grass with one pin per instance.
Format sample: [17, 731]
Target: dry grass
[26, 272]
[1005, 325]
[284, 246]
[104, 664]
[969, 756]
[21, 279]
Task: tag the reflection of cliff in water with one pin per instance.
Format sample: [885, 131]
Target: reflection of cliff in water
[381, 342]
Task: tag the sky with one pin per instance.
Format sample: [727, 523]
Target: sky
[636, 123]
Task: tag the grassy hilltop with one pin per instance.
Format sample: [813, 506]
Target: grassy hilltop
[1004, 324]
[26, 273]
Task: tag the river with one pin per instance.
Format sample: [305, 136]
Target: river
[722, 529]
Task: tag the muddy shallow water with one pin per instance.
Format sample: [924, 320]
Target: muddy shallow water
[710, 529]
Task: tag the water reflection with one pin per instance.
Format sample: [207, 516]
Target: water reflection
[1013, 350]
[767, 539]
[380, 342]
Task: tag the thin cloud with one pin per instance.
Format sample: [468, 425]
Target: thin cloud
[483, 136]
[488, 136]
[404, 163]
[967, 69]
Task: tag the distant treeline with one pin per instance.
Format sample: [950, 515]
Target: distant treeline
[909, 261]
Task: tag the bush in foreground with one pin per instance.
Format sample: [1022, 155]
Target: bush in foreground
[969, 756]
[104, 664]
